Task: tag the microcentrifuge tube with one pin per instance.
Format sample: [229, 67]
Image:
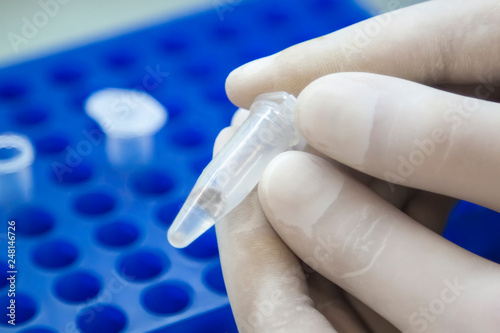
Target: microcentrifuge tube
[237, 168]
[129, 118]
[16, 179]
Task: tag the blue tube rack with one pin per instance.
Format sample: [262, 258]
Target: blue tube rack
[91, 248]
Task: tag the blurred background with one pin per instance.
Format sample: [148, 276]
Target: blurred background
[85, 21]
[91, 240]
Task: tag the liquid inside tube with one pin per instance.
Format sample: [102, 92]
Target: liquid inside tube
[237, 168]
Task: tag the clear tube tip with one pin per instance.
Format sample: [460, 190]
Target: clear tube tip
[237, 168]
[188, 226]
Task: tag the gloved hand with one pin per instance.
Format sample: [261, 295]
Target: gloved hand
[374, 259]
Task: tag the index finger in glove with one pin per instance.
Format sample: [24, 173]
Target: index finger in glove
[405, 133]
[434, 42]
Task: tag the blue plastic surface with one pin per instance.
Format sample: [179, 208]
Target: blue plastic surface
[92, 253]
[476, 229]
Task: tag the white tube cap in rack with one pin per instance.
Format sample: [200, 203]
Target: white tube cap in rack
[129, 118]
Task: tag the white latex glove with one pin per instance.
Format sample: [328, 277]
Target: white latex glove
[376, 261]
